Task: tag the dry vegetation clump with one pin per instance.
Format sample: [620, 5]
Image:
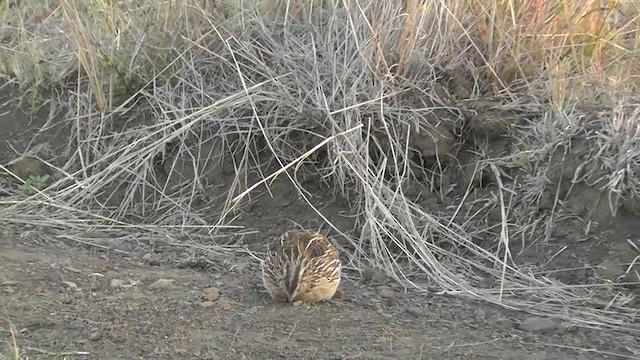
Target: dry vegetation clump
[479, 104]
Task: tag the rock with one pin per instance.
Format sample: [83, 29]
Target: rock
[72, 269]
[161, 284]
[227, 304]
[117, 283]
[206, 304]
[211, 294]
[152, 259]
[95, 335]
[386, 293]
[390, 302]
[71, 285]
[366, 302]
[536, 324]
[415, 311]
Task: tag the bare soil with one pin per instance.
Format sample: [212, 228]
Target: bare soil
[73, 303]
[140, 298]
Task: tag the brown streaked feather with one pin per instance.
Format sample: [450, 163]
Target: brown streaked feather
[302, 265]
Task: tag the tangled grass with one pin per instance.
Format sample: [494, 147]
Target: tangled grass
[266, 86]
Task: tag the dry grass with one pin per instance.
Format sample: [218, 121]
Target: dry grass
[13, 350]
[16, 353]
[260, 87]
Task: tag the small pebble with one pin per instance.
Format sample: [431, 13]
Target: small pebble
[72, 269]
[95, 335]
[117, 283]
[227, 304]
[161, 284]
[415, 311]
[71, 285]
[537, 324]
[391, 301]
[386, 293]
[211, 294]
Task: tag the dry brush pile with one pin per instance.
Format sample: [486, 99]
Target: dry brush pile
[497, 110]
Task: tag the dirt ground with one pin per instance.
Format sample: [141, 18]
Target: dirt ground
[133, 298]
[65, 302]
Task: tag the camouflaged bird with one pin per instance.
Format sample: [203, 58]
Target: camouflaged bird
[302, 265]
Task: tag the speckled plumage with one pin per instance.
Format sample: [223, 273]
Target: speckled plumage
[302, 265]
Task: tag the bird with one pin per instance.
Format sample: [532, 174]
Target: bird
[302, 266]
